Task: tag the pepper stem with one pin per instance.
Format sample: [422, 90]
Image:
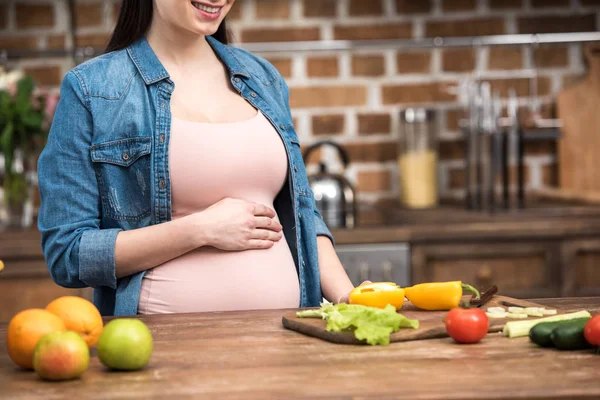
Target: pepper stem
[471, 289]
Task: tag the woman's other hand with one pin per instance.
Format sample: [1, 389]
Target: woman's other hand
[235, 225]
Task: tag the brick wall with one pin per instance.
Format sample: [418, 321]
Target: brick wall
[355, 97]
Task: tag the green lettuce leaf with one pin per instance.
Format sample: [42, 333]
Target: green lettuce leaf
[374, 325]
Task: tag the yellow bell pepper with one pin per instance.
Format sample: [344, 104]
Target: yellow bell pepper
[378, 294]
[438, 296]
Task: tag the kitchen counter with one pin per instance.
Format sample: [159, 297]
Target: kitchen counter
[250, 355]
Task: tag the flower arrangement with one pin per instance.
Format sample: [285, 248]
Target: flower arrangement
[26, 113]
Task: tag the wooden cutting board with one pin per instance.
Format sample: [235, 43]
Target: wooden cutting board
[431, 323]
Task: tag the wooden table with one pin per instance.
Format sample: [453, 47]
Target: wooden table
[250, 355]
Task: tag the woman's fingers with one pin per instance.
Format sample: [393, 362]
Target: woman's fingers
[263, 211]
[265, 234]
[268, 223]
[260, 244]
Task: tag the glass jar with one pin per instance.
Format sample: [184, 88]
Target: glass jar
[418, 158]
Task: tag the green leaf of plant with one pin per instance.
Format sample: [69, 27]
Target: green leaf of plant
[6, 145]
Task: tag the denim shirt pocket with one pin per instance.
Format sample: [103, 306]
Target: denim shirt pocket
[123, 171]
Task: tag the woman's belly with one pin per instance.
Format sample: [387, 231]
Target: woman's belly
[209, 279]
[210, 162]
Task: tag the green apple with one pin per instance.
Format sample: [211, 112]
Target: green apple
[125, 344]
[60, 356]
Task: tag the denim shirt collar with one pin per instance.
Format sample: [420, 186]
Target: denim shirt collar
[152, 70]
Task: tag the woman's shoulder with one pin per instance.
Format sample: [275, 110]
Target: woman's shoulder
[105, 75]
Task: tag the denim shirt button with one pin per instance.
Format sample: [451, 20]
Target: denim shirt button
[125, 156]
[162, 138]
[299, 216]
[253, 94]
[237, 80]
[296, 169]
[282, 127]
[161, 183]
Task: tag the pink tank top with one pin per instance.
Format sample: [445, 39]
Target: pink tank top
[209, 162]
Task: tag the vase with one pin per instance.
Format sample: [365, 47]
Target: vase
[18, 189]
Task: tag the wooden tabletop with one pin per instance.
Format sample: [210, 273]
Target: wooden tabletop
[250, 355]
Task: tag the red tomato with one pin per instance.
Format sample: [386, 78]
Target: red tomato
[592, 331]
[467, 325]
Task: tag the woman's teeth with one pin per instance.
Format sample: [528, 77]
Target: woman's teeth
[211, 10]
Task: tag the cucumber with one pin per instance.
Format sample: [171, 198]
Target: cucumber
[540, 333]
[570, 336]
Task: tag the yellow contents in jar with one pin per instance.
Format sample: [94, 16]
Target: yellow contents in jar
[418, 178]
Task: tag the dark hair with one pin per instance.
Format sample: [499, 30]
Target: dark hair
[134, 21]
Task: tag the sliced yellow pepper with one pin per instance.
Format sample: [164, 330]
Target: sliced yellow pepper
[438, 296]
[378, 294]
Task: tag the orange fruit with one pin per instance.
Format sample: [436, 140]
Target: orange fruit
[24, 331]
[79, 315]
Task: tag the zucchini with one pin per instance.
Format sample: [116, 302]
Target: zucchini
[514, 329]
[570, 336]
[540, 333]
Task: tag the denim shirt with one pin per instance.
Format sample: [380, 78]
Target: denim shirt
[105, 169]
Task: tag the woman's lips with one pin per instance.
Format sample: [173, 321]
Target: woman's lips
[207, 11]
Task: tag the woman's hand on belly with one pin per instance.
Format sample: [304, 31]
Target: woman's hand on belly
[236, 225]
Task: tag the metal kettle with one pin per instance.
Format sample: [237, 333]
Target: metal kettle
[334, 194]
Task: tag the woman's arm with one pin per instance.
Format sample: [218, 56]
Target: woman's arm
[335, 283]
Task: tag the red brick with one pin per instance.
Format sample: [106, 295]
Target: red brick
[550, 3]
[368, 65]
[328, 124]
[417, 93]
[471, 27]
[374, 181]
[89, 14]
[521, 85]
[34, 15]
[369, 124]
[504, 58]
[413, 62]
[45, 76]
[398, 30]
[320, 8]
[280, 34]
[57, 42]
[557, 24]
[458, 5]
[458, 60]
[322, 67]
[365, 7]
[551, 57]
[97, 40]
[451, 150]
[273, 9]
[328, 96]
[413, 6]
[453, 118]
[372, 152]
[506, 4]
[12, 42]
[283, 65]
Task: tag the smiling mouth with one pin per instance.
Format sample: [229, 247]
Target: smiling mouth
[205, 8]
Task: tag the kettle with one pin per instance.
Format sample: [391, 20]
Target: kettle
[334, 195]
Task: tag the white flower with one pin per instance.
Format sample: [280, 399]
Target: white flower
[11, 78]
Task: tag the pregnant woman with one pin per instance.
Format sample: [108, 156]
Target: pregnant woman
[173, 180]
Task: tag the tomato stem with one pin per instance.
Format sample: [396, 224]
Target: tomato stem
[471, 289]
